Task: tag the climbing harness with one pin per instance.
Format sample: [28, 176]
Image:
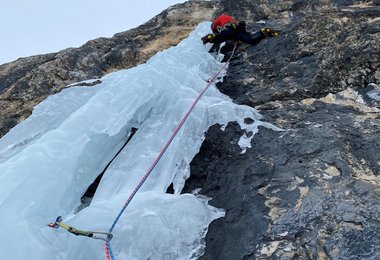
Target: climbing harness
[92, 234]
[107, 236]
[108, 250]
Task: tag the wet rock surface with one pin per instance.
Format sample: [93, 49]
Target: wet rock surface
[311, 191]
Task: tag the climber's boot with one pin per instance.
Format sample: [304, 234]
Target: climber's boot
[269, 32]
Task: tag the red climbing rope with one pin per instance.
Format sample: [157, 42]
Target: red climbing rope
[108, 251]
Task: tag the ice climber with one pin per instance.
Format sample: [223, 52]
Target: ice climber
[225, 28]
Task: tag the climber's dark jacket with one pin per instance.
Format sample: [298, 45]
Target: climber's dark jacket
[238, 33]
[226, 28]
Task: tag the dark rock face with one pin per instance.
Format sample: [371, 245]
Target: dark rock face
[309, 192]
[224, 175]
[322, 50]
[312, 191]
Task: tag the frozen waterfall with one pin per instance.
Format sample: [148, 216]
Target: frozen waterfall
[48, 161]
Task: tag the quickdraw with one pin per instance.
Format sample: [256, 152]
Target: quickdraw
[105, 236]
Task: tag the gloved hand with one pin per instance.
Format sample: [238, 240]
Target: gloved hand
[208, 38]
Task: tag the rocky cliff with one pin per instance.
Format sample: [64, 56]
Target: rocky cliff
[308, 192]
